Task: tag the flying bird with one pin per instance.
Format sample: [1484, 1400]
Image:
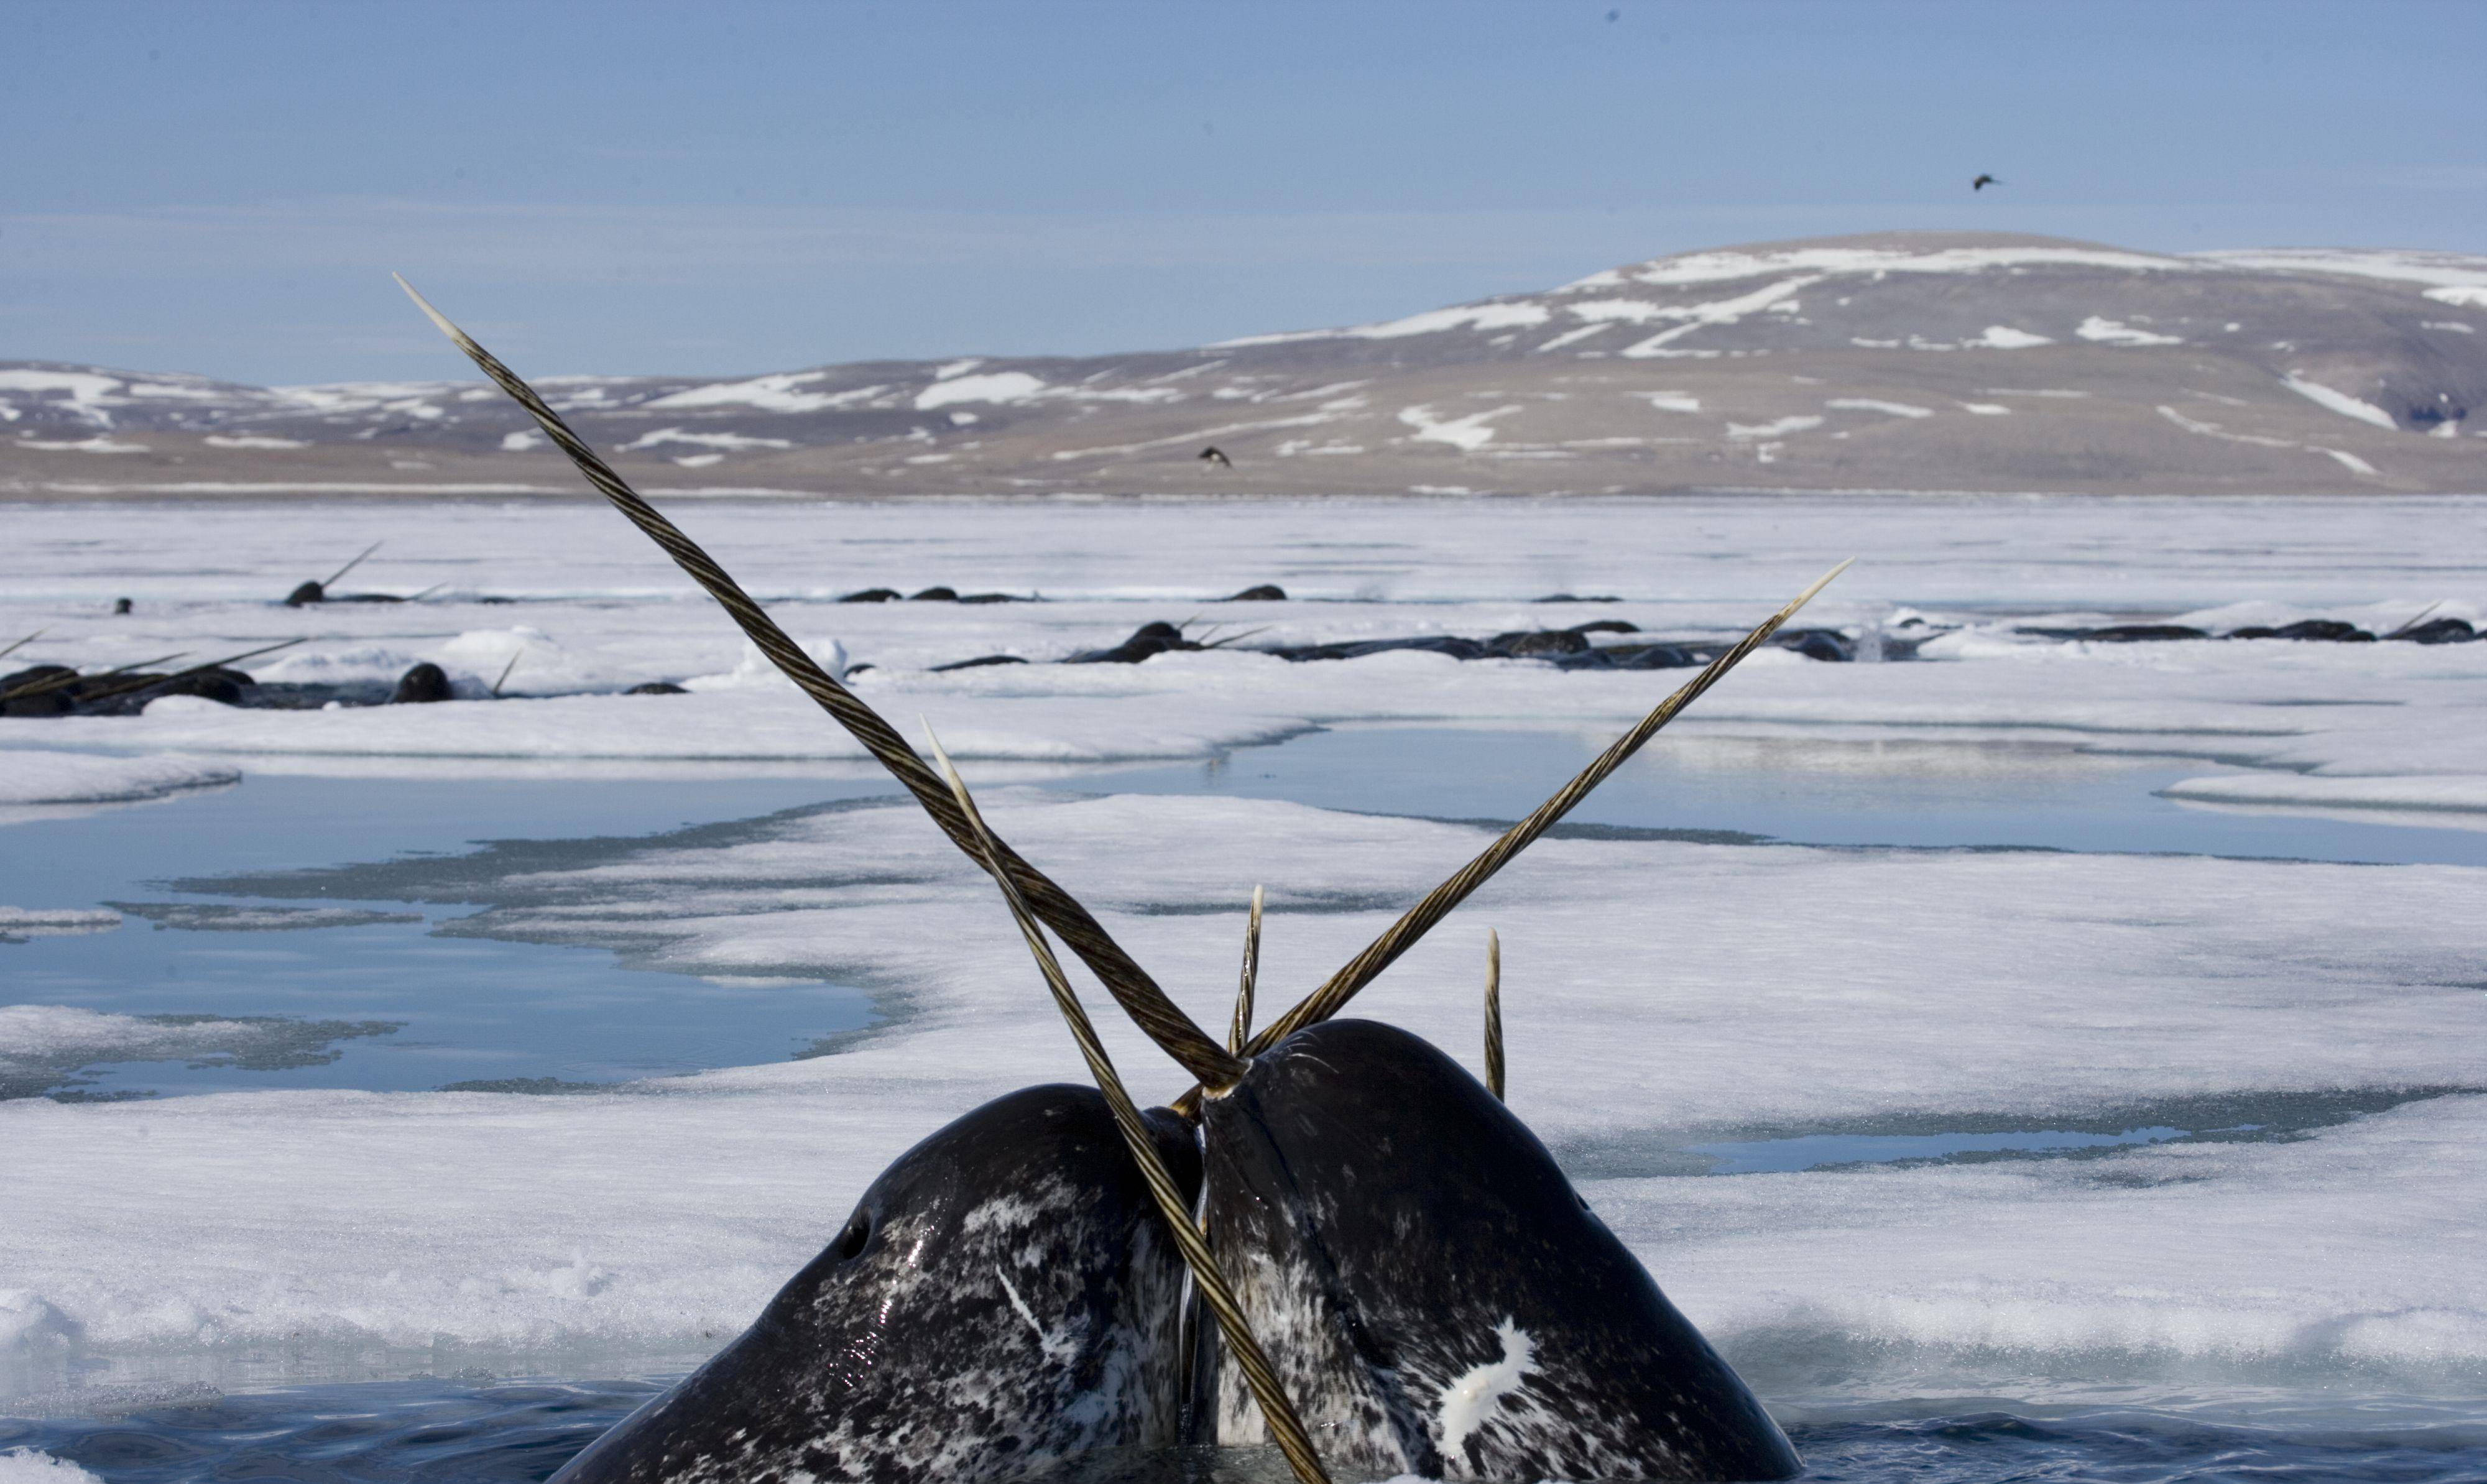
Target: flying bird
[1212, 454]
[1983, 181]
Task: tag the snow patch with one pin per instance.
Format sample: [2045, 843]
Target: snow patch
[1465, 433]
[776, 393]
[732, 441]
[1569, 337]
[1869, 405]
[2003, 337]
[1726, 266]
[2454, 270]
[1520, 315]
[992, 386]
[1778, 428]
[35, 776]
[2340, 401]
[100, 443]
[2110, 332]
[1713, 312]
[250, 441]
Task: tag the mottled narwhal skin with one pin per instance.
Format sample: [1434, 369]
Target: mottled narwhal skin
[1003, 1300]
[1437, 1296]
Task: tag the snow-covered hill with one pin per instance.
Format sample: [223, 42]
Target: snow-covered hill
[1907, 360]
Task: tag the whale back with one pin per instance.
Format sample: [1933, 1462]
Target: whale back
[1003, 1300]
[1440, 1299]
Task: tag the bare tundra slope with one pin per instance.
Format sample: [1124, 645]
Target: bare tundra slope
[1897, 361]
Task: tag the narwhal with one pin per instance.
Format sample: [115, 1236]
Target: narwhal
[1403, 1278]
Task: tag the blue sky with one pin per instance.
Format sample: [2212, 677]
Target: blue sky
[713, 188]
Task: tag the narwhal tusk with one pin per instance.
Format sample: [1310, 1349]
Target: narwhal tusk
[63, 681]
[1494, 1012]
[127, 685]
[22, 643]
[1242, 1026]
[349, 566]
[2414, 620]
[1401, 935]
[1275, 1409]
[1148, 1005]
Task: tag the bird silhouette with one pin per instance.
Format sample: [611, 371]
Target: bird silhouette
[1983, 181]
[1212, 454]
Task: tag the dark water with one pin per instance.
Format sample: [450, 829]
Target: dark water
[426, 1429]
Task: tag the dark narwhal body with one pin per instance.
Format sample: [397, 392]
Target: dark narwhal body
[1438, 1297]
[1004, 1298]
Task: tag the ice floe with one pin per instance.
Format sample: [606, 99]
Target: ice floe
[19, 923]
[31, 775]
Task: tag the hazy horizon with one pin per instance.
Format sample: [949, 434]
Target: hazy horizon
[623, 189]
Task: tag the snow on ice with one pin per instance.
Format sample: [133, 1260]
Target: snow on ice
[1658, 993]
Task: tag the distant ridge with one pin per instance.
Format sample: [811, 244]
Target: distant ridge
[1904, 360]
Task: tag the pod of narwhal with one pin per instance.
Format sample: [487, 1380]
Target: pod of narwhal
[1400, 1278]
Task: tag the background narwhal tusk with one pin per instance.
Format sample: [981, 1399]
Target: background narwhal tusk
[1149, 1007]
[331, 579]
[63, 681]
[1494, 1012]
[1242, 1025]
[1275, 1409]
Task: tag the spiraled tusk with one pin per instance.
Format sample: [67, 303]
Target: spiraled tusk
[1242, 1025]
[1494, 1012]
[1275, 1409]
[1149, 1007]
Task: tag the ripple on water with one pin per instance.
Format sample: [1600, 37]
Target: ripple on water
[439, 1429]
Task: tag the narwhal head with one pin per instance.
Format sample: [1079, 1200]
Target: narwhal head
[1439, 1298]
[1003, 1300]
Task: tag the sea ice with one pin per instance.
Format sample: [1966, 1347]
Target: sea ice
[30, 776]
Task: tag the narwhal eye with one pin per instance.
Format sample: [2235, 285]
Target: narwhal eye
[849, 1243]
